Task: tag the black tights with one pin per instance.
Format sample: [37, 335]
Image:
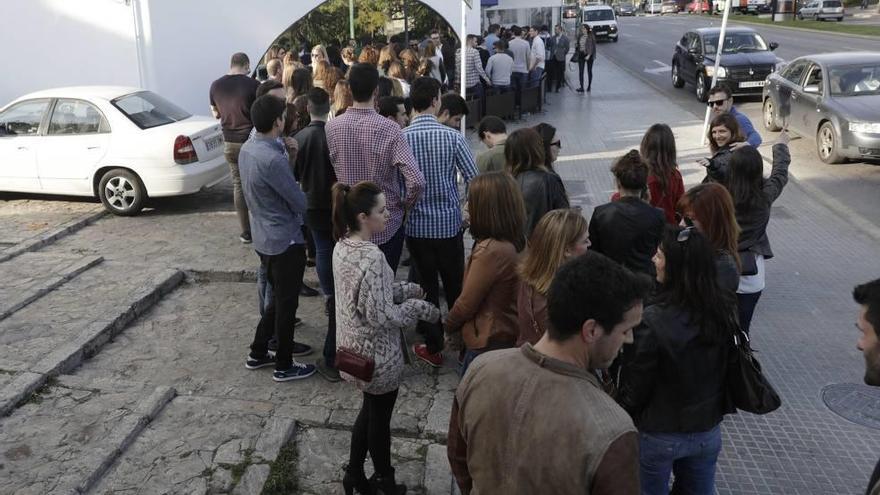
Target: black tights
[589, 63]
[372, 431]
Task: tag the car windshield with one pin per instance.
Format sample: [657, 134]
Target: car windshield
[598, 15]
[147, 109]
[855, 80]
[736, 43]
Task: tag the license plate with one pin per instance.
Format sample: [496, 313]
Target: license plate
[752, 84]
[213, 142]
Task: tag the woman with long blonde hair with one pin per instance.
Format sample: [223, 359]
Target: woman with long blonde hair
[431, 55]
[386, 57]
[342, 98]
[410, 60]
[320, 72]
[369, 55]
[558, 237]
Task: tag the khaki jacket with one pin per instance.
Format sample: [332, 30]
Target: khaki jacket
[525, 423]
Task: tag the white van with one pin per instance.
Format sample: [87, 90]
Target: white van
[653, 6]
[602, 21]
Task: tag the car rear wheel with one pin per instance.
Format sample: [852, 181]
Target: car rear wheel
[770, 116]
[677, 81]
[828, 144]
[122, 192]
[701, 87]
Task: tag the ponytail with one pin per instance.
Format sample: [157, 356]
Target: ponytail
[349, 202]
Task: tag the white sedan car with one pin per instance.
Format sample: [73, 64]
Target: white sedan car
[115, 143]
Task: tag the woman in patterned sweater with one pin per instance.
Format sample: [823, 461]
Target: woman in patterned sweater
[371, 310]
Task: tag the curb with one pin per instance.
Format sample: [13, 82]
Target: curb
[127, 432]
[52, 236]
[85, 264]
[810, 30]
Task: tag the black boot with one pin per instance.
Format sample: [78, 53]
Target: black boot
[354, 482]
[386, 484]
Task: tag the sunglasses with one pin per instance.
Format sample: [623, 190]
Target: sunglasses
[716, 103]
[685, 234]
[558, 144]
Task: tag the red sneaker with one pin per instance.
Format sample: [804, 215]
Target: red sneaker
[421, 351]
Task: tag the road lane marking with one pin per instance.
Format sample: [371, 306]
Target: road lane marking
[658, 70]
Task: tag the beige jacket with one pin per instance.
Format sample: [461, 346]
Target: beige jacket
[525, 423]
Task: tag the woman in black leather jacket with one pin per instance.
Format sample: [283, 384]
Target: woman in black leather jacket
[542, 189]
[673, 375]
[725, 136]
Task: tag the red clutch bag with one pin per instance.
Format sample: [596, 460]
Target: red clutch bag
[354, 364]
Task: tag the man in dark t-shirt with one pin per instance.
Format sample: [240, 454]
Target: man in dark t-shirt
[231, 98]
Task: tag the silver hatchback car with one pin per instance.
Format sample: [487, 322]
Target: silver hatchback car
[822, 9]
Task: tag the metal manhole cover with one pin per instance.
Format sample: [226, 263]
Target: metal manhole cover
[854, 402]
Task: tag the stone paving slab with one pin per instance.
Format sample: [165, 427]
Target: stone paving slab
[199, 445]
[193, 233]
[27, 225]
[26, 278]
[321, 453]
[197, 338]
[63, 438]
[56, 332]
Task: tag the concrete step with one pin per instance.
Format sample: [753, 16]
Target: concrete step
[55, 332]
[26, 278]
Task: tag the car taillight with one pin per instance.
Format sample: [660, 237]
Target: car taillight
[184, 151]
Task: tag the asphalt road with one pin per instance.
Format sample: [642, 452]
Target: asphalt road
[645, 50]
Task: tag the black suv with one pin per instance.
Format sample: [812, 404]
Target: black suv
[746, 60]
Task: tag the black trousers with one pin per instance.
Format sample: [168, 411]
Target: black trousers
[746, 304]
[372, 432]
[555, 74]
[433, 257]
[285, 273]
[589, 64]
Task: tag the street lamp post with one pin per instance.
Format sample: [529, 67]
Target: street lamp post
[351, 19]
[718, 52]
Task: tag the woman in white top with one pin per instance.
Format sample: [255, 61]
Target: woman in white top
[371, 311]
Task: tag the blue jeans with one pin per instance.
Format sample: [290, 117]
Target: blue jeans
[518, 82]
[690, 456]
[324, 266]
[535, 77]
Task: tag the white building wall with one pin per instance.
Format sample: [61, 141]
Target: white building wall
[174, 47]
[51, 43]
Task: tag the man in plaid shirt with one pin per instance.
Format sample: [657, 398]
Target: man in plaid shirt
[364, 146]
[434, 226]
[474, 68]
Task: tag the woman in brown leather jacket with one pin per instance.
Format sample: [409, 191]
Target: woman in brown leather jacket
[485, 312]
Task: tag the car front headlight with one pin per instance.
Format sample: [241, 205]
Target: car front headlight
[710, 71]
[865, 127]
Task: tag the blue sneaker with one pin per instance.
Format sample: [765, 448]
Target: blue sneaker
[297, 371]
[253, 363]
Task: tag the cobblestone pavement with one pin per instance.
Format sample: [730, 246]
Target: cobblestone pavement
[121, 369]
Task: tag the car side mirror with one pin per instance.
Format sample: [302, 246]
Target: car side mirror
[773, 45]
[812, 89]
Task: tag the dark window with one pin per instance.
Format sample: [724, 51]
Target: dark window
[794, 72]
[147, 109]
[23, 119]
[77, 117]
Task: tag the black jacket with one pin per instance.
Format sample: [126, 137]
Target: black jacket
[753, 221]
[542, 191]
[719, 166]
[728, 272]
[670, 380]
[314, 171]
[628, 231]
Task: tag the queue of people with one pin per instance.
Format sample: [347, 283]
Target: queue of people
[618, 328]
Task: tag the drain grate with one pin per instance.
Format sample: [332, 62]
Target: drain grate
[857, 403]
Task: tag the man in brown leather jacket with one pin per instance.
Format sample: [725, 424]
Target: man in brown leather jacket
[535, 419]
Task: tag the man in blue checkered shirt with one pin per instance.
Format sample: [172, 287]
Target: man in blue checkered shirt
[434, 226]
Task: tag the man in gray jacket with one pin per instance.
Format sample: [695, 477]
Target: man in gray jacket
[556, 61]
[277, 205]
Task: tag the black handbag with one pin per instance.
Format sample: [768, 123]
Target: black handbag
[749, 389]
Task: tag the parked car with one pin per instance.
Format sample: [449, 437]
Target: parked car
[695, 7]
[669, 7]
[832, 97]
[118, 144]
[819, 10]
[624, 8]
[746, 60]
[602, 20]
[759, 7]
[652, 6]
